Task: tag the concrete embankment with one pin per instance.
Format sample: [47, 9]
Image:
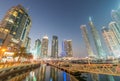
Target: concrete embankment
[16, 69]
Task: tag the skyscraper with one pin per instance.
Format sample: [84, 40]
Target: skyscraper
[116, 16]
[44, 46]
[86, 39]
[116, 29]
[27, 44]
[63, 53]
[17, 22]
[68, 48]
[96, 39]
[37, 49]
[111, 41]
[54, 51]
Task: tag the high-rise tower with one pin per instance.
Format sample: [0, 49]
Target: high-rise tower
[44, 46]
[37, 49]
[111, 41]
[116, 29]
[63, 53]
[68, 48]
[86, 39]
[17, 22]
[96, 39]
[116, 16]
[54, 49]
[27, 44]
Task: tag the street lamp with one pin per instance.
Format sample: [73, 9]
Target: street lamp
[3, 50]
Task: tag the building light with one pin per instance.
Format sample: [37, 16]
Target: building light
[3, 50]
[21, 11]
[10, 20]
[6, 30]
[15, 14]
[14, 33]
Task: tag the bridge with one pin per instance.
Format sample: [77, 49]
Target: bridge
[68, 66]
[108, 69]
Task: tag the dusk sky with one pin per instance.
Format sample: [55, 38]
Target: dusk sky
[63, 18]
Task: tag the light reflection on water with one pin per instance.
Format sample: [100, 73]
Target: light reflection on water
[96, 77]
[48, 73]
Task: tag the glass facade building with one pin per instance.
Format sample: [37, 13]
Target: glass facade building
[44, 46]
[116, 15]
[86, 39]
[37, 49]
[116, 30]
[68, 48]
[97, 41]
[54, 49]
[17, 22]
[111, 41]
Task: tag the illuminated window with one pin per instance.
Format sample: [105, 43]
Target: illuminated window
[10, 20]
[21, 11]
[14, 33]
[6, 30]
[15, 14]
[10, 12]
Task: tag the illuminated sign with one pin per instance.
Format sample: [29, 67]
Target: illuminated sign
[8, 53]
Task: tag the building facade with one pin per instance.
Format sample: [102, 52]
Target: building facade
[63, 52]
[97, 41]
[44, 46]
[17, 23]
[116, 16]
[37, 49]
[68, 48]
[86, 39]
[116, 30]
[27, 44]
[111, 41]
[54, 49]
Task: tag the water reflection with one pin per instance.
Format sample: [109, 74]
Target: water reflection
[37, 75]
[53, 74]
[43, 73]
[100, 77]
[94, 77]
[48, 73]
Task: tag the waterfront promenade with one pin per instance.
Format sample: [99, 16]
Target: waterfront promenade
[11, 68]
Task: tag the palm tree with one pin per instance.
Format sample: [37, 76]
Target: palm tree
[21, 53]
[16, 54]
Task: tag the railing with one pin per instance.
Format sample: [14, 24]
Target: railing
[109, 69]
[9, 64]
[19, 77]
[16, 69]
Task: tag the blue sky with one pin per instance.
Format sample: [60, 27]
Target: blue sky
[63, 18]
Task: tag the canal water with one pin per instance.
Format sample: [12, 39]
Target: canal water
[48, 73]
[43, 73]
[96, 77]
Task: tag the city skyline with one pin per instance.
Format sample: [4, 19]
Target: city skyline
[63, 18]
